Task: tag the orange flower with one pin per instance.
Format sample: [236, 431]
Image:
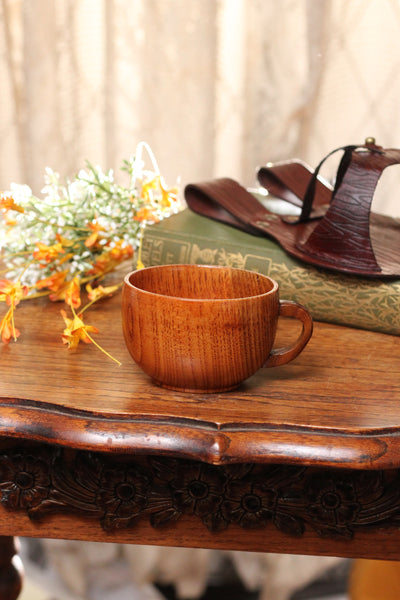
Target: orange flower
[70, 293]
[76, 331]
[8, 203]
[64, 241]
[54, 282]
[7, 329]
[9, 222]
[48, 253]
[145, 214]
[98, 292]
[65, 258]
[11, 292]
[101, 265]
[119, 252]
[92, 239]
[111, 258]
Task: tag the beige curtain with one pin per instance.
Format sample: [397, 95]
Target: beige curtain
[216, 87]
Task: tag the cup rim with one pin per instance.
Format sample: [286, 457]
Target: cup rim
[273, 289]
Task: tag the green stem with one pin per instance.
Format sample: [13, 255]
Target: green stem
[55, 225]
[12, 254]
[25, 270]
[96, 183]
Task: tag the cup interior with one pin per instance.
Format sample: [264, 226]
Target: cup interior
[201, 282]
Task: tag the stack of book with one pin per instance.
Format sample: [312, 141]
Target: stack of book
[335, 298]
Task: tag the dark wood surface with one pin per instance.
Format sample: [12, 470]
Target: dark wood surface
[90, 450]
[337, 404]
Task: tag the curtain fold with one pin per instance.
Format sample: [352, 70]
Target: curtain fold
[216, 87]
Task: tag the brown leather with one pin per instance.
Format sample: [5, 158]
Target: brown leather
[344, 236]
[289, 180]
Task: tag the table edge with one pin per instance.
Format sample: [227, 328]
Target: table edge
[210, 442]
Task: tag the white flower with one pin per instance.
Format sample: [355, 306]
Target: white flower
[20, 192]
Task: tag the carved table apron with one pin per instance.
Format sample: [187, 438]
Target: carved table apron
[303, 458]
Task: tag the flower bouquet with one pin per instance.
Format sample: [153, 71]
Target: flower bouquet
[74, 236]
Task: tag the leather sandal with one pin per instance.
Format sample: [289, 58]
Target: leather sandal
[335, 230]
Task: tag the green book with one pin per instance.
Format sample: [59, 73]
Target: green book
[335, 298]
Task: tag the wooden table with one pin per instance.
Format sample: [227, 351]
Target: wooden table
[303, 458]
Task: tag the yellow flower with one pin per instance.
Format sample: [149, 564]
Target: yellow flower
[53, 283]
[110, 258]
[70, 293]
[8, 203]
[65, 258]
[76, 331]
[145, 214]
[64, 241]
[168, 196]
[119, 252]
[7, 328]
[98, 292]
[93, 237]
[9, 222]
[48, 253]
[147, 188]
[11, 292]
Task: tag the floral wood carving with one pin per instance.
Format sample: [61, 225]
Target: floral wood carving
[121, 490]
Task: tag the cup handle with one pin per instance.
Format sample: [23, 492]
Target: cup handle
[281, 356]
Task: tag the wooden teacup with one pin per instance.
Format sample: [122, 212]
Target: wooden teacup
[204, 328]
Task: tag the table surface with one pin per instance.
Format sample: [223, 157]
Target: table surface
[337, 404]
[306, 456]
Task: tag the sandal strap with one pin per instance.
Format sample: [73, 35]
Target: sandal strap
[309, 196]
[225, 200]
[288, 180]
[341, 239]
[343, 236]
